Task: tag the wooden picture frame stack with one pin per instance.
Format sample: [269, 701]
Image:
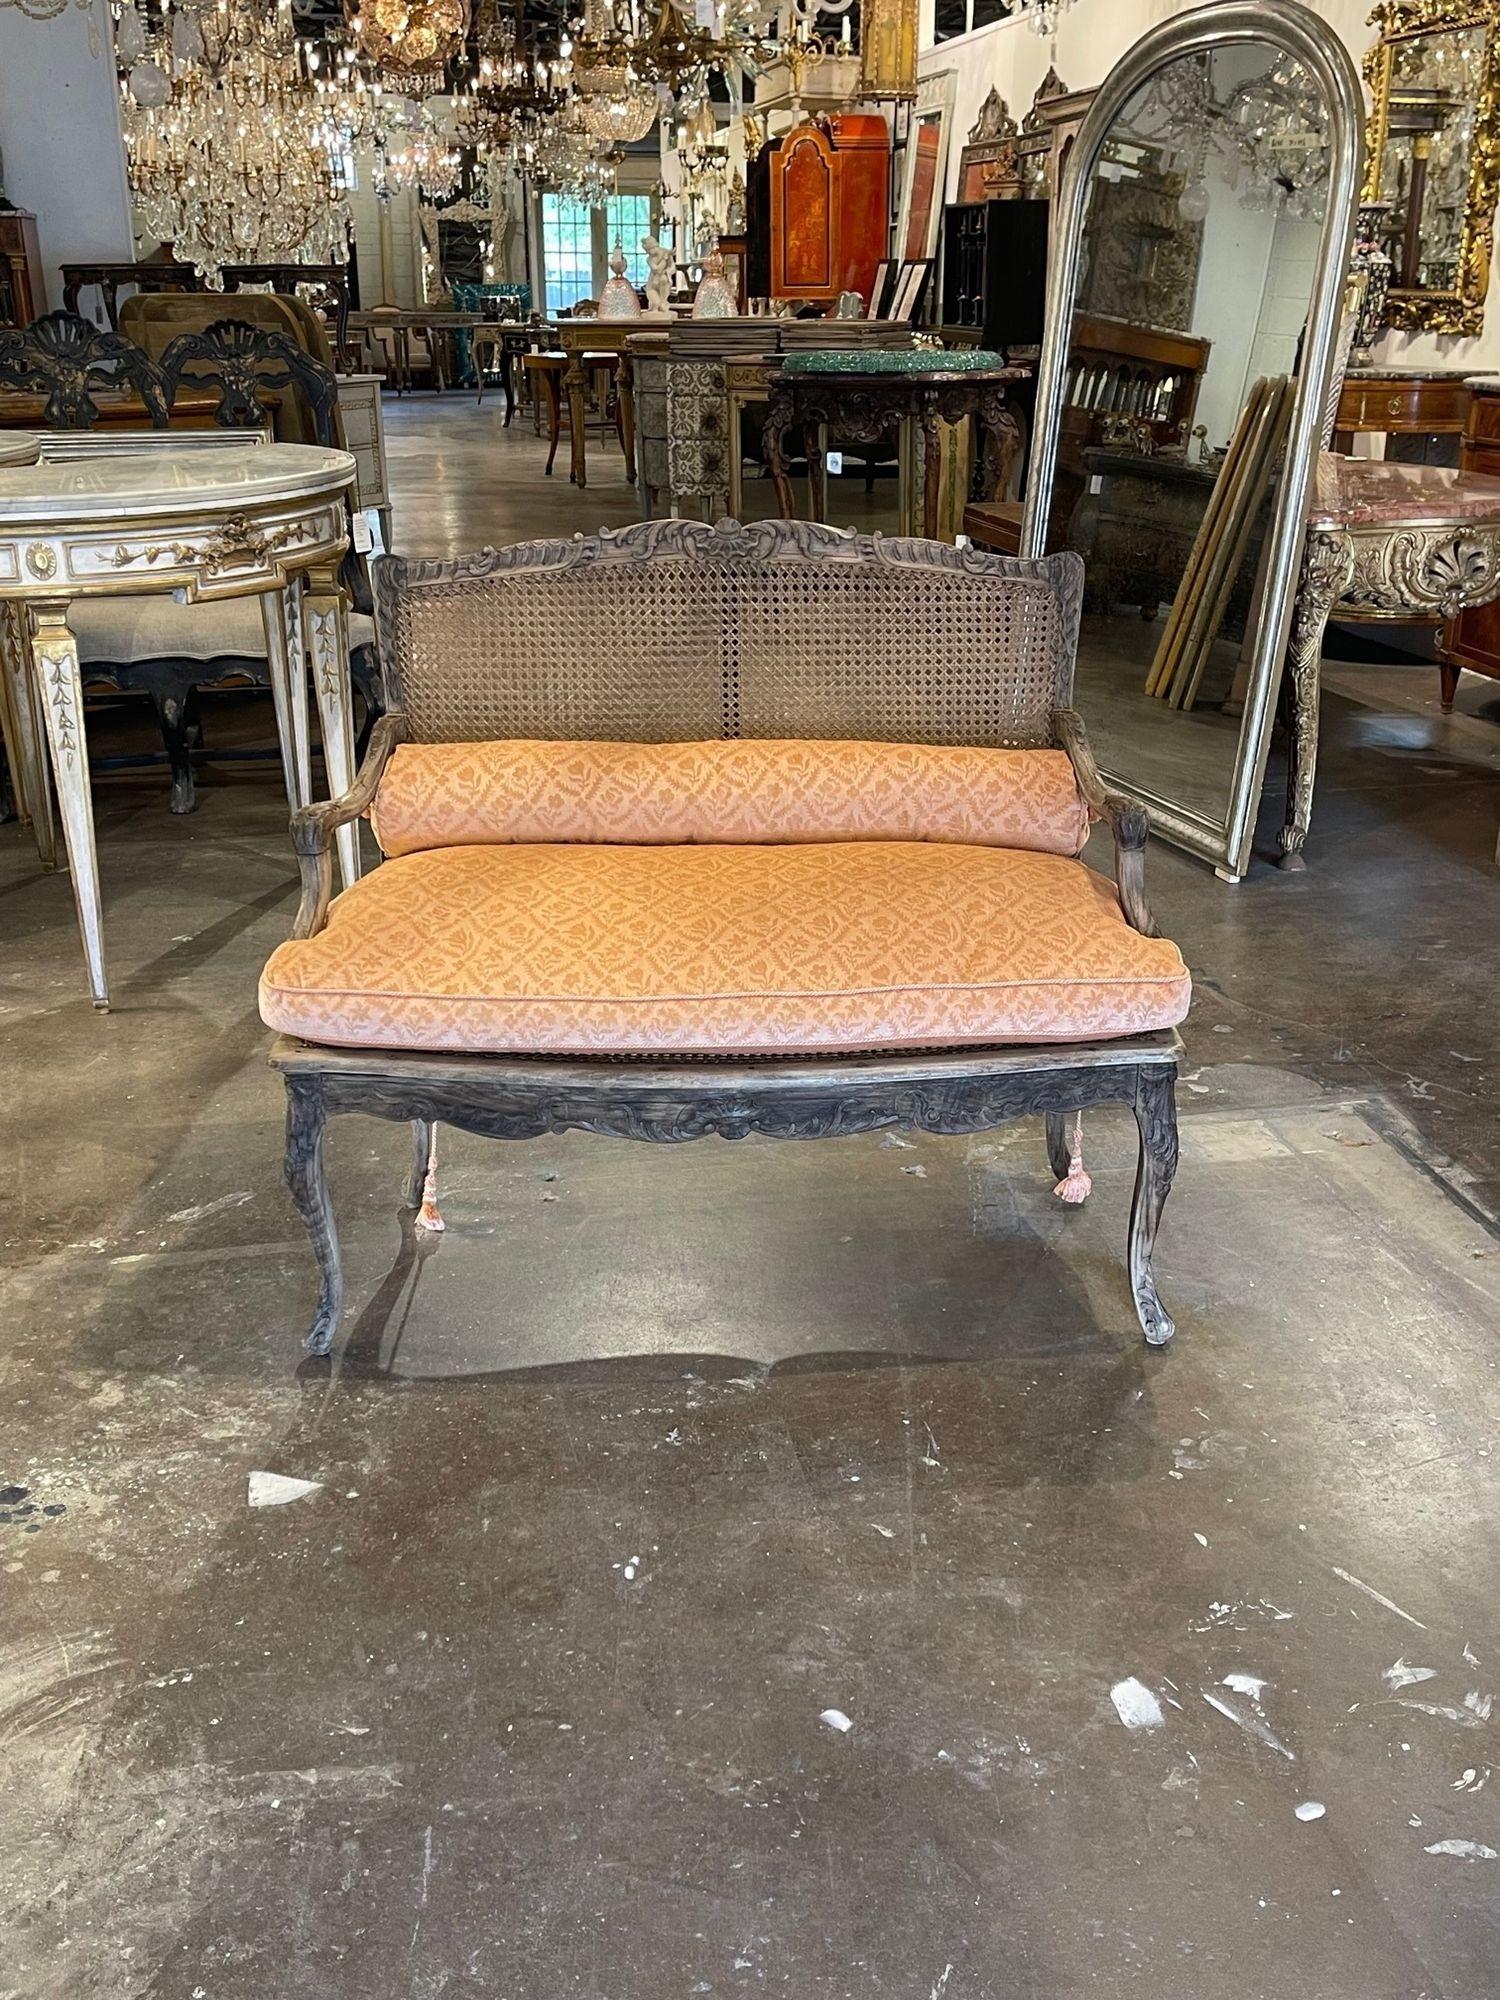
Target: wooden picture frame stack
[1222, 543]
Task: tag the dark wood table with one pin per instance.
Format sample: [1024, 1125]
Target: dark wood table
[864, 405]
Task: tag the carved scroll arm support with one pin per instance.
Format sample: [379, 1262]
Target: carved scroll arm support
[313, 827]
[1127, 821]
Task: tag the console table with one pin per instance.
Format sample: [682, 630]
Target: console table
[866, 402]
[1384, 541]
[266, 520]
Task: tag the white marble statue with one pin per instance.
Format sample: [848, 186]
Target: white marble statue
[661, 266]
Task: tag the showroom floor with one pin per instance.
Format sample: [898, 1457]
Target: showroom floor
[758, 1568]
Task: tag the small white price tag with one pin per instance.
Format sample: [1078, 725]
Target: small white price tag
[1096, 483]
[835, 464]
[366, 532]
[705, 14]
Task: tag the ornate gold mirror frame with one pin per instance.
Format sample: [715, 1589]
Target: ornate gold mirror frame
[1460, 310]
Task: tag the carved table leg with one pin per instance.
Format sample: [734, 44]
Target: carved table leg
[1002, 442]
[932, 469]
[626, 413]
[305, 1119]
[1327, 565]
[54, 654]
[327, 622]
[773, 444]
[25, 730]
[281, 615]
[1156, 1115]
[575, 383]
[815, 444]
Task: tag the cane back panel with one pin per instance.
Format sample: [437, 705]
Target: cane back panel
[675, 631]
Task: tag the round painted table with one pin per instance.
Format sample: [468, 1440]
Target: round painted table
[265, 520]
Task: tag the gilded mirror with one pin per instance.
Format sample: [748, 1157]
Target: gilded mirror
[1193, 310]
[1434, 157]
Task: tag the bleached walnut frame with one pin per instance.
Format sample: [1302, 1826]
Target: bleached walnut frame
[444, 627]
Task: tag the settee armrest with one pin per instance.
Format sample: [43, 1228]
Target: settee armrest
[1127, 821]
[313, 827]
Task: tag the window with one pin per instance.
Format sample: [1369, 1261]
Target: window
[577, 241]
[567, 252]
[627, 218]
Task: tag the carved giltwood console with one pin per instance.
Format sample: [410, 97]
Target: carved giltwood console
[1384, 541]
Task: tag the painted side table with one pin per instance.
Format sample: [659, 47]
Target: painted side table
[265, 520]
[863, 397]
[1384, 541]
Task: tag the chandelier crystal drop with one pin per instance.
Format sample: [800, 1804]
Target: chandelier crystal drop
[1044, 15]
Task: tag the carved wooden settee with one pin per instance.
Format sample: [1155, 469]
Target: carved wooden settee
[703, 830]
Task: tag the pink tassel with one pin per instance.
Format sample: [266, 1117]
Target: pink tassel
[1075, 1187]
[430, 1216]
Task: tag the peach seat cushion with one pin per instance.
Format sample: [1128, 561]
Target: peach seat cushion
[469, 794]
[752, 949]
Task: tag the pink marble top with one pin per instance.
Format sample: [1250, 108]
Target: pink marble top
[1377, 492]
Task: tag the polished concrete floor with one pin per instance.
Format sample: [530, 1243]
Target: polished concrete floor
[663, 1465]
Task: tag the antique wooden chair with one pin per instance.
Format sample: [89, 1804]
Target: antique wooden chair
[68, 360]
[667, 857]
[148, 644]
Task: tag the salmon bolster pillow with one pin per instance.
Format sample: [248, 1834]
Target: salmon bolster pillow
[745, 792]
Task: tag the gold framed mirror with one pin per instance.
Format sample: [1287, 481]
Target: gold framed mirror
[1433, 151]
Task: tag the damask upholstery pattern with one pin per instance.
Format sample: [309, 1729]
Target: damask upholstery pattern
[590, 950]
[726, 792]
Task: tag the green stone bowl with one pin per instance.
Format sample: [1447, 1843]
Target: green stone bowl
[891, 361]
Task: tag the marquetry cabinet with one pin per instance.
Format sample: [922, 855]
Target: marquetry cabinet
[830, 186]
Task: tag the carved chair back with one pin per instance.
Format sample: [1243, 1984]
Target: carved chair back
[240, 360]
[65, 358]
[678, 631]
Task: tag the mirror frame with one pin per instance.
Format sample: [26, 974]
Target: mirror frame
[1460, 311]
[1290, 29]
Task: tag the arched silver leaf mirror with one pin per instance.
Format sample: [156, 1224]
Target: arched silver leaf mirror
[1193, 311]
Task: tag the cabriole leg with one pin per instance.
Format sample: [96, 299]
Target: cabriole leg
[430, 1216]
[421, 1152]
[1327, 566]
[305, 1118]
[1057, 1142]
[1156, 1116]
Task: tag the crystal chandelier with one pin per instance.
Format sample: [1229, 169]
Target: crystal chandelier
[510, 78]
[1044, 15]
[411, 42]
[651, 42]
[410, 152]
[231, 154]
[1269, 134]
